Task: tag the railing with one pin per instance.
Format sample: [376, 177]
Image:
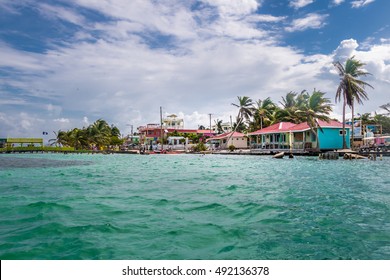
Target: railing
[271, 146]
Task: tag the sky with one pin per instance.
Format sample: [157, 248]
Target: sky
[67, 63]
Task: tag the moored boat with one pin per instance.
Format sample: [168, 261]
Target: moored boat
[279, 155]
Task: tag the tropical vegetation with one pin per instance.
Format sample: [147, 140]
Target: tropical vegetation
[295, 108]
[310, 107]
[351, 89]
[98, 135]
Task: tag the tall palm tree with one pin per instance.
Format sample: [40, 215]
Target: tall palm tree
[245, 109]
[350, 87]
[262, 112]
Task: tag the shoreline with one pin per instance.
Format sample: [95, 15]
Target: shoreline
[220, 152]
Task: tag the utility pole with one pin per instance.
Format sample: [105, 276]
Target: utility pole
[161, 131]
[210, 123]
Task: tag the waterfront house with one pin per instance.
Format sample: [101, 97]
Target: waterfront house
[152, 133]
[299, 137]
[224, 140]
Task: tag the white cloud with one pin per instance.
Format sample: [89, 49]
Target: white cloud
[265, 18]
[234, 7]
[361, 3]
[16, 59]
[300, 3]
[21, 124]
[86, 121]
[13, 101]
[62, 120]
[62, 13]
[337, 2]
[385, 40]
[310, 21]
[345, 50]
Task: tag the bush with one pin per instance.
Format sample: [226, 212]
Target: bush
[232, 148]
[200, 147]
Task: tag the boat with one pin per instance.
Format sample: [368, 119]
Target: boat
[279, 155]
[353, 156]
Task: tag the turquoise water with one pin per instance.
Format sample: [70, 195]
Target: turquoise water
[55, 206]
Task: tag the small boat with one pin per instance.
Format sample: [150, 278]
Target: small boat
[279, 155]
[353, 156]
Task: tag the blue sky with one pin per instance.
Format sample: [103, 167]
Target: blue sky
[64, 64]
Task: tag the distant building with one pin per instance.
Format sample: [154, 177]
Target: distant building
[153, 132]
[226, 127]
[172, 121]
[20, 142]
[224, 140]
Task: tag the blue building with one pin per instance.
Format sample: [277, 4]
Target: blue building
[299, 137]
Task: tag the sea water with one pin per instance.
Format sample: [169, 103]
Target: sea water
[90, 206]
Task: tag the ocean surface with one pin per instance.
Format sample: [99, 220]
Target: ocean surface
[128, 207]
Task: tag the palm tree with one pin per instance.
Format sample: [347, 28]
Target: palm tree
[99, 133]
[350, 87]
[386, 107]
[262, 112]
[245, 105]
[314, 107]
[115, 131]
[219, 126]
[291, 104]
[79, 138]
[61, 139]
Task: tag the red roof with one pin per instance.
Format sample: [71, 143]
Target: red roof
[275, 128]
[288, 126]
[227, 135]
[205, 131]
[323, 124]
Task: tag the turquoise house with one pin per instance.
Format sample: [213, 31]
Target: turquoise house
[330, 136]
[299, 137]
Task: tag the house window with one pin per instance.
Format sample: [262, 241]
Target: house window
[341, 132]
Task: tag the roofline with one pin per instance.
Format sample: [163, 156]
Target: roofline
[292, 130]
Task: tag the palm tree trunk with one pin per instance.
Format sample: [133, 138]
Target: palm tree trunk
[353, 123]
[344, 142]
[261, 122]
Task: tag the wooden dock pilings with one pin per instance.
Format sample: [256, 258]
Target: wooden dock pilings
[329, 155]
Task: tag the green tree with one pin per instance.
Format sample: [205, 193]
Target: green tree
[290, 105]
[386, 107]
[245, 110]
[78, 138]
[262, 113]
[314, 107]
[219, 126]
[350, 88]
[61, 139]
[99, 133]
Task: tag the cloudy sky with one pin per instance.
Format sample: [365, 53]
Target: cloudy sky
[66, 63]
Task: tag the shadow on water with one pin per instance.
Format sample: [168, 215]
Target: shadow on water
[17, 162]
